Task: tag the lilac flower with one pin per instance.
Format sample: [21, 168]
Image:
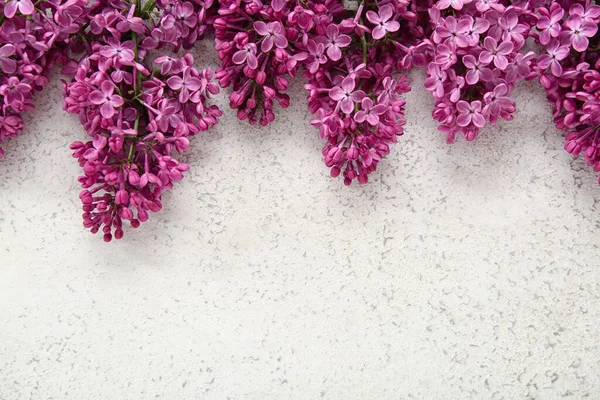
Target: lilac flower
[476, 70]
[104, 97]
[520, 67]
[304, 18]
[185, 15]
[369, 112]
[273, 33]
[334, 42]
[512, 29]
[246, 55]
[474, 29]
[470, 114]
[382, 22]
[316, 56]
[455, 31]
[168, 64]
[590, 14]
[496, 101]
[346, 96]
[167, 114]
[555, 53]
[14, 92]
[388, 87]
[121, 52]
[496, 53]
[25, 7]
[186, 85]
[435, 80]
[549, 26]
[445, 56]
[454, 86]
[579, 31]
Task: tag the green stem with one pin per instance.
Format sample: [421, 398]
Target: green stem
[130, 156]
[148, 7]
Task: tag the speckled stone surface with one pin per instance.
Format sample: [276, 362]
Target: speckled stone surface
[467, 271]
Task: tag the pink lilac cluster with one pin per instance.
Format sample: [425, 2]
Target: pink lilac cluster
[137, 119]
[259, 45]
[180, 23]
[350, 66]
[28, 33]
[569, 71]
[478, 58]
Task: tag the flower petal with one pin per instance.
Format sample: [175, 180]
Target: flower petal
[334, 53]
[347, 105]
[378, 32]
[107, 110]
[281, 41]
[175, 82]
[348, 84]
[463, 119]
[478, 120]
[239, 57]
[392, 26]
[252, 61]
[261, 28]
[267, 44]
[386, 12]
[343, 40]
[10, 9]
[462, 107]
[336, 93]
[96, 97]
[371, 16]
[580, 42]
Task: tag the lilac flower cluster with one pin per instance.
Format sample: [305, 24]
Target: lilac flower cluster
[477, 61]
[137, 119]
[28, 33]
[140, 114]
[569, 71]
[350, 65]
[260, 45]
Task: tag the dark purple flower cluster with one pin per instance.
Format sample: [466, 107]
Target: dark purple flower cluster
[138, 119]
[477, 60]
[350, 66]
[348, 54]
[140, 113]
[28, 34]
[259, 47]
[569, 71]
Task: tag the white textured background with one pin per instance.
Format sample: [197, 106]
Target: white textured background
[467, 271]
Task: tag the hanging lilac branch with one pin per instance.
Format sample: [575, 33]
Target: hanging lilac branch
[351, 62]
[569, 72]
[259, 46]
[478, 59]
[28, 34]
[138, 119]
